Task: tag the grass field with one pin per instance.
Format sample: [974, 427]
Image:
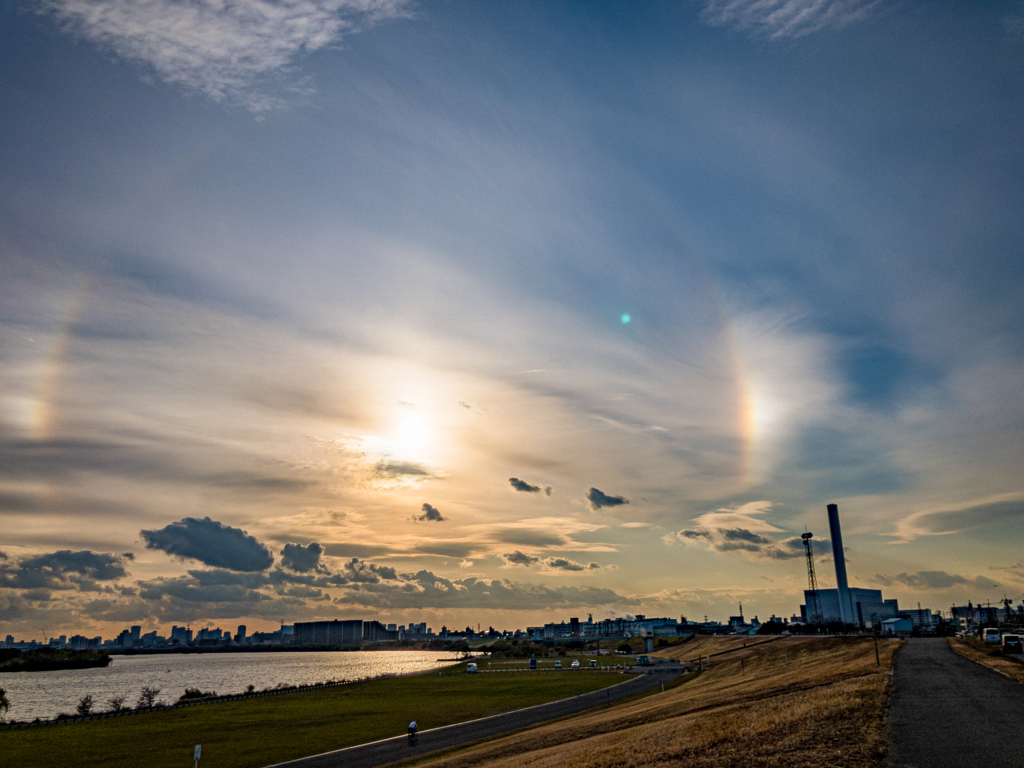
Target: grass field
[708, 645]
[989, 655]
[801, 702]
[261, 731]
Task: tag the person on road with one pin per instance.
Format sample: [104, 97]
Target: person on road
[412, 729]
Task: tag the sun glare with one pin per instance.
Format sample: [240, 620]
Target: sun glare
[412, 434]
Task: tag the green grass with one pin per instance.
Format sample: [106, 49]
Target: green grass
[271, 729]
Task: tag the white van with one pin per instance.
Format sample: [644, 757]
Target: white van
[990, 635]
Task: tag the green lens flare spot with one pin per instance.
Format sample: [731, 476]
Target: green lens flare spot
[626, 319]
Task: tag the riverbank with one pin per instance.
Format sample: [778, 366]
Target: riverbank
[799, 702]
[46, 694]
[249, 733]
[50, 659]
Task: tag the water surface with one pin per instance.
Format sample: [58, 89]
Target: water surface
[44, 694]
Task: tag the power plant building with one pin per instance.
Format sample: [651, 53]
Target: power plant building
[845, 604]
[868, 606]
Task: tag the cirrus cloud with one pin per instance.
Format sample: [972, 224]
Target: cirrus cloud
[778, 19]
[224, 50]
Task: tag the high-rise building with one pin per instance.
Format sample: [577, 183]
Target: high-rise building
[329, 632]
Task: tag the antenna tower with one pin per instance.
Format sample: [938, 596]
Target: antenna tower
[814, 602]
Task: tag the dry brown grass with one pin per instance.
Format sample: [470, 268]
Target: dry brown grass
[708, 645]
[988, 654]
[796, 702]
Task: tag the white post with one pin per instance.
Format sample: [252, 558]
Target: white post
[199, 751]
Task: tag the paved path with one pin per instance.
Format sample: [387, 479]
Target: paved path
[389, 750]
[949, 712]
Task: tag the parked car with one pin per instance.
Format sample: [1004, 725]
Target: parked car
[593, 663]
[471, 667]
[576, 665]
[990, 635]
[558, 663]
[1012, 644]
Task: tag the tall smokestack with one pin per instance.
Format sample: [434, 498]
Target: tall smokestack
[845, 607]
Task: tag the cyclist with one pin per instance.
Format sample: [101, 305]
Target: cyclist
[412, 731]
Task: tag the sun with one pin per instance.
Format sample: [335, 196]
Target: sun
[412, 434]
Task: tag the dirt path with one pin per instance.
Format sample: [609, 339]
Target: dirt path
[949, 712]
[390, 750]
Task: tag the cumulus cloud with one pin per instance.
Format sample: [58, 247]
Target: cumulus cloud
[565, 564]
[598, 499]
[1005, 509]
[519, 558]
[525, 487]
[212, 543]
[63, 570]
[778, 19]
[302, 558]
[225, 50]
[430, 514]
[933, 580]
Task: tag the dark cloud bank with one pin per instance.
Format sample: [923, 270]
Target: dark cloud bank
[244, 582]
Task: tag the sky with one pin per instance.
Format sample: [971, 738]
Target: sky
[505, 313]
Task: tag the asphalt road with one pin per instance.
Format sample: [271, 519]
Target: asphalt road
[390, 750]
[949, 712]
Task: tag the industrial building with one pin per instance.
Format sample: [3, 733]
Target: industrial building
[329, 632]
[844, 604]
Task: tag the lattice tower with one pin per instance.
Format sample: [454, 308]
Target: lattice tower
[814, 602]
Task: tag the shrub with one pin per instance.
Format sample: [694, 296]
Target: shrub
[116, 703]
[84, 705]
[148, 697]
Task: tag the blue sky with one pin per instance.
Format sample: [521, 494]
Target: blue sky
[307, 269]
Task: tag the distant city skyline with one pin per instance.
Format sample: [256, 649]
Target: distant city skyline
[472, 313]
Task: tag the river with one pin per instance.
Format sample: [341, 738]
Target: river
[45, 694]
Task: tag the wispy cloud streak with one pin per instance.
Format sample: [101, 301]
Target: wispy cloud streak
[222, 48]
[786, 18]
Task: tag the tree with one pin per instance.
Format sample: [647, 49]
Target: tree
[148, 697]
[4, 703]
[116, 703]
[84, 705]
